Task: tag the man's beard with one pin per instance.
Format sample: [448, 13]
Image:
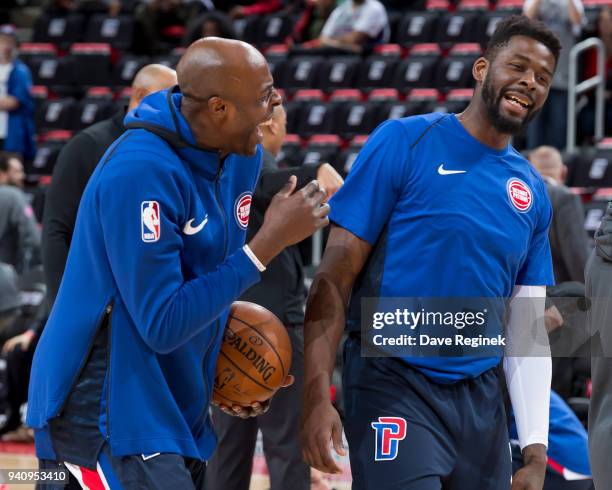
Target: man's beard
[500, 122]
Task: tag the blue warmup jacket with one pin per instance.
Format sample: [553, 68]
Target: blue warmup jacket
[21, 131]
[158, 243]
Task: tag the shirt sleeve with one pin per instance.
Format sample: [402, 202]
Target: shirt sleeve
[372, 19]
[375, 183]
[329, 29]
[166, 307]
[537, 267]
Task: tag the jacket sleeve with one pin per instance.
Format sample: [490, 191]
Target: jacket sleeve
[70, 177]
[573, 243]
[28, 236]
[22, 87]
[166, 307]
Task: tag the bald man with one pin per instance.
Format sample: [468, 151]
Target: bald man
[75, 164]
[568, 240]
[122, 377]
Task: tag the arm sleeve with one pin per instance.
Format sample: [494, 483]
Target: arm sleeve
[371, 20]
[329, 29]
[166, 308]
[528, 378]
[70, 176]
[574, 245]
[21, 90]
[374, 185]
[537, 266]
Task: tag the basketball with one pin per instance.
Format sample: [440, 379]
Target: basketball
[255, 356]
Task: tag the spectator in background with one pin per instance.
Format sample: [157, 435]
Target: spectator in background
[312, 20]
[11, 170]
[16, 103]
[599, 292]
[354, 25]
[568, 466]
[210, 24]
[19, 235]
[568, 239]
[75, 164]
[564, 18]
[283, 292]
[257, 7]
[160, 24]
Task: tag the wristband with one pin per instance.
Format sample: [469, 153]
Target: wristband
[254, 259]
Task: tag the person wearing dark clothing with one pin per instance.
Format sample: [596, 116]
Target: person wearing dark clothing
[283, 292]
[599, 317]
[19, 235]
[568, 240]
[72, 172]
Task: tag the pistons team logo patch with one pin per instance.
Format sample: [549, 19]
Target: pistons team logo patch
[389, 431]
[519, 194]
[149, 221]
[242, 209]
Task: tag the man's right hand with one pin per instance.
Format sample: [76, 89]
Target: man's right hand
[290, 218]
[321, 425]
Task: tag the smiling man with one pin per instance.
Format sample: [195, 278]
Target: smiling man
[157, 257]
[438, 206]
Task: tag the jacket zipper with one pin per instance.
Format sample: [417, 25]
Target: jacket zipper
[107, 310]
[217, 326]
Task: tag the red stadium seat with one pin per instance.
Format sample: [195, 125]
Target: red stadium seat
[93, 62]
[338, 71]
[291, 154]
[418, 70]
[393, 50]
[273, 29]
[118, 31]
[458, 27]
[126, 68]
[347, 157]
[418, 27]
[56, 114]
[376, 72]
[352, 116]
[458, 99]
[322, 148]
[62, 30]
[455, 71]
[96, 106]
[384, 94]
[276, 56]
[302, 72]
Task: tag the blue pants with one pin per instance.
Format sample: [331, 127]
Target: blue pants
[153, 472]
[407, 432]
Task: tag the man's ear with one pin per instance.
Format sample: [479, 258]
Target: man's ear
[480, 69]
[217, 106]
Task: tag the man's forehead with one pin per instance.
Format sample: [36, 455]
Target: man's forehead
[529, 49]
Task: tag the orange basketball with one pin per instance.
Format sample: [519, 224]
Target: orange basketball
[255, 356]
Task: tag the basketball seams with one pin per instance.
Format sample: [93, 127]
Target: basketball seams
[246, 374]
[280, 359]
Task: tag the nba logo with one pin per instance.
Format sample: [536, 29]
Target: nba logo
[149, 221]
[388, 432]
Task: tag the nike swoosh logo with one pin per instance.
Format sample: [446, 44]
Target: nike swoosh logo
[149, 456]
[441, 171]
[192, 230]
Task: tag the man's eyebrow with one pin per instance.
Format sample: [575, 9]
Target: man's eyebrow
[528, 60]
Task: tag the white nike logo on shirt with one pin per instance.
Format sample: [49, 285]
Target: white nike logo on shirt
[441, 171]
[192, 230]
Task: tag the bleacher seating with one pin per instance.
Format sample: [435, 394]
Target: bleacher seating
[92, 64]
[117, 31]
[96, 106]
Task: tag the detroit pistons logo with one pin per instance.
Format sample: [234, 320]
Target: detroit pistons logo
[242, 209]
[519, 194]
[389, 431]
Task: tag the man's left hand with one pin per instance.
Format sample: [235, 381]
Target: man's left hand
[254, 409]
[531, 475]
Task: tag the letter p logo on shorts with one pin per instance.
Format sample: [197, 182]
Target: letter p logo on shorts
[388, 432]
